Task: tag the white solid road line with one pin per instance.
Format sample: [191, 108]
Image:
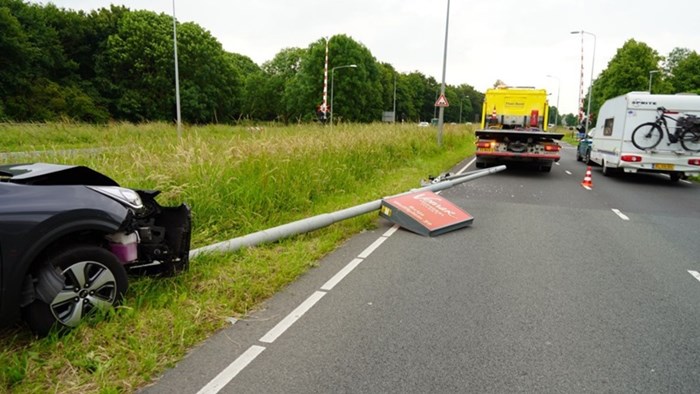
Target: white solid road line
[391, 231]
[365, 253]
[291, 318]
[223, 378]
[341, 275]
[466, 166]
[620, 214]
[355, 262]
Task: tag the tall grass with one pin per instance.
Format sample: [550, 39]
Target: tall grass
[237, 181]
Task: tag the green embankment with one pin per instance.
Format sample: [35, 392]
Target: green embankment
[237, 181]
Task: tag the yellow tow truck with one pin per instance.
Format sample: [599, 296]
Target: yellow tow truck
[514, 129]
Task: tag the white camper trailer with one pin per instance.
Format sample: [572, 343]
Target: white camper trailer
[612, 146]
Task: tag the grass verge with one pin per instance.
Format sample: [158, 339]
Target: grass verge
[237, 181]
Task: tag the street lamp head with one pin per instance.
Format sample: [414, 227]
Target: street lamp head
[345, 66]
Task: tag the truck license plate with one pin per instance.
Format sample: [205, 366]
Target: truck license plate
[663, 166]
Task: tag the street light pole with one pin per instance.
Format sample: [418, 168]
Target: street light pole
[558, 90]
[651, 73]
[460, 108]
[590, 88]
[394, 110]
[441, 116]
[332, 75]
[177, 78]
[460, 111]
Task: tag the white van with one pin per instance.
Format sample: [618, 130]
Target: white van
[611, 141]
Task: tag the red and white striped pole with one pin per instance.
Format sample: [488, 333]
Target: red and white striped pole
[324, 105]
[580, 93]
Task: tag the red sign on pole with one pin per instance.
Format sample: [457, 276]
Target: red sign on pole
[442, 101]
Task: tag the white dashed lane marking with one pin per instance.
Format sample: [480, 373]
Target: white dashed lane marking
[620, 214]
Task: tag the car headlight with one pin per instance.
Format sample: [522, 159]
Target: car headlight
[125, 196]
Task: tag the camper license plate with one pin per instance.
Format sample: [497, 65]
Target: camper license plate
[663, 166]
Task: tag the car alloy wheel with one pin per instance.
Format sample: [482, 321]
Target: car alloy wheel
[93, 279]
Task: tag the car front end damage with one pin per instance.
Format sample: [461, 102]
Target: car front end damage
[152, 239]
[70, 235]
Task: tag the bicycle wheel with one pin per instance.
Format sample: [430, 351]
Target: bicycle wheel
[647, 136]
[690, 140]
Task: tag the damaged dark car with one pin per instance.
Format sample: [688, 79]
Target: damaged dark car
[70, 237]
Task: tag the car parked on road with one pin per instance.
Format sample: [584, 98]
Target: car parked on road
[68, 237]
[583, 149]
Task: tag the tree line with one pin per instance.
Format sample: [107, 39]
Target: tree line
[638, 67]
[117, 64]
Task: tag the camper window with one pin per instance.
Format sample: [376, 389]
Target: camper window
[608, 127]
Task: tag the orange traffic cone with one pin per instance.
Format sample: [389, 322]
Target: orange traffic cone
[587, 181]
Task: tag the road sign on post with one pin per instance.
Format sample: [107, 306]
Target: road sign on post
[442, 101]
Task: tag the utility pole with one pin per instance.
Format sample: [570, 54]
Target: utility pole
[332, 76]
[590, 87]
[441, 116]
[394, 97]
[177, 77]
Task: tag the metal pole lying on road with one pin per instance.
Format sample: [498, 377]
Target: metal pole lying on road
[326, 219]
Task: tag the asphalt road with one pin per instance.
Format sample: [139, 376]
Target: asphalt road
[553, 288]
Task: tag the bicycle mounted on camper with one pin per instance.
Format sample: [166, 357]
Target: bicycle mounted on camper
[687, 131]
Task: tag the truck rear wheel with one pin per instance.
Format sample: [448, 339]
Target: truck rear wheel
[607, 171]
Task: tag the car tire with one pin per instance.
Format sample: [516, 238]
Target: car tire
[480, 164]
[587, 158]
[578, 156]
[675, 176]
[546, 168]
[93, 278]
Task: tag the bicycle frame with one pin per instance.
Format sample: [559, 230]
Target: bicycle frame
[661, 121]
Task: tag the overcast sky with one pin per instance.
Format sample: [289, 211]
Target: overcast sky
[519, 42]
